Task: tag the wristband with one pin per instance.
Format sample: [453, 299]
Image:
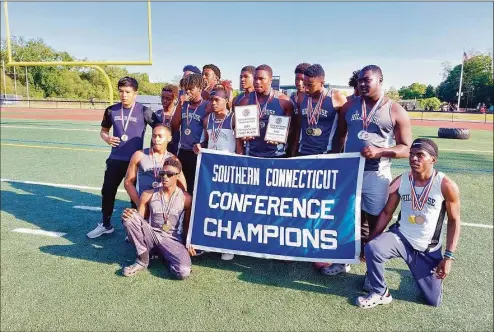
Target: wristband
[449, 255]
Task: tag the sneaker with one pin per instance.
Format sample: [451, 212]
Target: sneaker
[335, 269]
[372, 299]
[367, 286]
[199, 252]
[227, 257]
[99, 230]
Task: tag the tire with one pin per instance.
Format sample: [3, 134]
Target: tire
[453, 133]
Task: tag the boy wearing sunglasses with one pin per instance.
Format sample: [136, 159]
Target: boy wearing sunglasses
[168, 208]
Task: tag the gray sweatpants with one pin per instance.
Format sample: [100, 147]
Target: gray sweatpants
[392, 244]
[145, 238]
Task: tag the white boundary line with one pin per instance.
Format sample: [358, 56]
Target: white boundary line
[48, 128]
[38, 232]
[456, 150]
[57, 185]
[73, 186]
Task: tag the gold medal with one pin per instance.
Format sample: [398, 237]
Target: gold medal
[317, 131]
[124, 138]
[419, 220]
[165, 227]
[411, 219]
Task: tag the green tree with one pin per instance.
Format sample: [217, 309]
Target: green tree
[62, 81]
[393, 94]
[431, 102]
[430, 92]
[415, 90]
[477, 83]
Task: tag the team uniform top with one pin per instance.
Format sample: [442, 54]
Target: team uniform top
[327, 122]
[159, 207]
[196, 117]
[145, 171]
[225, 136]
[380, 132]
[257, 147]
[136, 129]
[423, 229]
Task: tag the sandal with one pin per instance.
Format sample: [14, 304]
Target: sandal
[372, 299]
[130, 270]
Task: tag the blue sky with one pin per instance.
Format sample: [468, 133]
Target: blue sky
[409, 41]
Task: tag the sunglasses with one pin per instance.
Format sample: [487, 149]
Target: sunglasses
[168, 174]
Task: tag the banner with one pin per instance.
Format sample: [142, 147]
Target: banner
[303, 209]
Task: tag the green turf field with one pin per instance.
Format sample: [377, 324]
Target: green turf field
[74, 283]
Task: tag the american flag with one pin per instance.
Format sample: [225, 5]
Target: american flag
[465, 56]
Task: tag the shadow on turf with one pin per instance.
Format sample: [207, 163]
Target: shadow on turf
[52, 209]
[303, 277]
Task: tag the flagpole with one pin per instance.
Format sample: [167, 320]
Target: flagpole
[461, 78]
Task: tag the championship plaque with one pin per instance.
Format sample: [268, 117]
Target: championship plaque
[247, 121]
[277, 129]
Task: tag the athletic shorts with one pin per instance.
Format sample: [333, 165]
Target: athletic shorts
[375, 190]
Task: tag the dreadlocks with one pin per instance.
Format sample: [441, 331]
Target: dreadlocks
[192, 81]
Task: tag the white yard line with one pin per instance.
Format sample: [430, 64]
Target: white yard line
[38, 232]
[57, 185]
[48, 128]
[456, 150]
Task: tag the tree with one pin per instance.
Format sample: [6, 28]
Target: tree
[62, 81]
[430, 92]
[393, 94]
[415, 90]
[431, 102]
[477, 82]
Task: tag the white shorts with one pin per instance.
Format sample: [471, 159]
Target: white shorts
[375, 186]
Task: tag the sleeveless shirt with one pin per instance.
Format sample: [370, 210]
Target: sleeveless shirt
[427, 236]
[226, 136]
[328, 121]
[145, 171]
[158, 206]
[380, 129]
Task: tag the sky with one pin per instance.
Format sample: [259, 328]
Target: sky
[409, 41]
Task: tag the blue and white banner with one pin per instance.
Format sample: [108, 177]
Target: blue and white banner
[304, 208]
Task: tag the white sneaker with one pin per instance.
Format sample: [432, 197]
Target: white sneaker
[227, 257]
[335, 269]
[372, 299]
[99, 230]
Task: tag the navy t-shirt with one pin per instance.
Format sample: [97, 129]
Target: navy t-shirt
[136, 129]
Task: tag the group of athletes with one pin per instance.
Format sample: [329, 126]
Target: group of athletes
[200, 113]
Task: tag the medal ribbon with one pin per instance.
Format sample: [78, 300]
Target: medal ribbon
[168, 124]
[312, 113]
[215, 133]
[188, 119]
[128, 118]
[168, 208]
[157, 170]
[418, 201]
[263, 110]
[366, 119]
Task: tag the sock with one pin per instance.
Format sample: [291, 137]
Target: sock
[144, 258]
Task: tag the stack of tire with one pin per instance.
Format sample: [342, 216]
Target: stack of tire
[454, 133]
